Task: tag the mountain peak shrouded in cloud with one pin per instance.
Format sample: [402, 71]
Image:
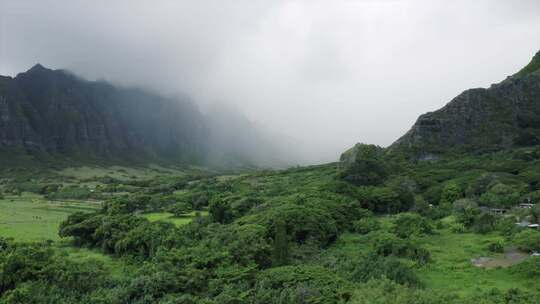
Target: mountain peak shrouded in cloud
[327, 73]
[37, 68]
[47, 114]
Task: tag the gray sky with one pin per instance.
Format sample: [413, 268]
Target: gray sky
[329, 72]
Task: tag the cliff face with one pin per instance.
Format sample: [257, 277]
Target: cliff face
[503, 116]
[55, 112]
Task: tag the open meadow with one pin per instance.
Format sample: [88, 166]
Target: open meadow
[30, 217]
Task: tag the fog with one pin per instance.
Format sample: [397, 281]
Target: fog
[323, 74]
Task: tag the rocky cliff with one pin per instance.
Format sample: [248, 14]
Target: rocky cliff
[53, 112]
[503, 116]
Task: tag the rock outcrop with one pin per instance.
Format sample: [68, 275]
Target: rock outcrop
[503, 116]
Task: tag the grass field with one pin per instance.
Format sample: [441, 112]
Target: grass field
[118, 267]
[118, 172]
[169, 217]
[452, 269]
[29, 217]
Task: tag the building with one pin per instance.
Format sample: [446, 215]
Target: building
[497, 210]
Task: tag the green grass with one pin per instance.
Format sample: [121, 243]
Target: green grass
[118, 172]
[29, 217]
[169, 217]
[451, 269]
[118, 268]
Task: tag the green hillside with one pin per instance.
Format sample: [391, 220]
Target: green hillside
[394, 232]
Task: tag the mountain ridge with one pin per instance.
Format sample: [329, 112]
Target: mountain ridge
[56, 115]
[503, 116]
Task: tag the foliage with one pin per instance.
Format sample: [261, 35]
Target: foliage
[301, 284]
[496, 247]
[179, 209]
[450, 193]
[528, 240]
[409, 224]
[281, 244]
[500, 196]
[530, 267]
[364, 166]
[376, 267]
[366, 225]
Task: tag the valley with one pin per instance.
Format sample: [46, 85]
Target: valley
[112, 192]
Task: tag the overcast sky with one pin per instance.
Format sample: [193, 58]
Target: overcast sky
[332, 73]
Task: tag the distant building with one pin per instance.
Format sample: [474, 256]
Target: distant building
[497, 210]
[526, 224]
[523, 224]
[534, 226]
[526, 206]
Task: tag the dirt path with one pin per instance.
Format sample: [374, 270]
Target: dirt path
[511, 256]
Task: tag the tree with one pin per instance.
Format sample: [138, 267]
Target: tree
[179, 209]
[484, 222]
[407, 224]
[421, 206]
[220, 211]
[528, 240]
[500, 196]
[363, 165]
[450, 193]
[466, 211]
[365, 225]
[385, 200]
[280, 255]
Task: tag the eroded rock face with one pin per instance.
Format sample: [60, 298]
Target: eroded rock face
[503, 116]
[55, 112]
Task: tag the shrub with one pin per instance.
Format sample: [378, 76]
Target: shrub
[407, 224]
[179, 209]
[376, 267]
[500, 196]
[530, 267]
[458, 228]
[363, 165]
[450, 193]
[303, 223]
[528, 240]
[484, 223]
[386, 244]
[365, 225]
[496, 247]
[300, 284]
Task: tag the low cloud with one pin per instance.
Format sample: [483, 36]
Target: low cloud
[328, 73]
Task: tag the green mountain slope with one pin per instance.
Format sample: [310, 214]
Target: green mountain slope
[506, 115]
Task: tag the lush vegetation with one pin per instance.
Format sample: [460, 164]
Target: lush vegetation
[370, 229]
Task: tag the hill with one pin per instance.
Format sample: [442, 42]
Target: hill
[56, 116]
[504, 116]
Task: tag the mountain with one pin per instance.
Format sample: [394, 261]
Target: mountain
[503, 116]
[55, 115]
[46, 112]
